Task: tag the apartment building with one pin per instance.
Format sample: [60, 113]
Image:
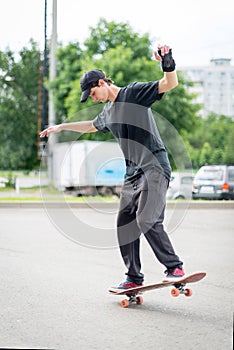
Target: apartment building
[214, 85]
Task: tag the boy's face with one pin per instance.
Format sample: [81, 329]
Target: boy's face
[99, 93]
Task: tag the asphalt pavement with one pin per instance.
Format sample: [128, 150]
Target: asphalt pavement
[54, 285]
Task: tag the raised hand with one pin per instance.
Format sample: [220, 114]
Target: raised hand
[162, 51]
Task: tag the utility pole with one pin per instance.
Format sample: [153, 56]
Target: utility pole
[43, 94]
[52, 75]
[44, 73]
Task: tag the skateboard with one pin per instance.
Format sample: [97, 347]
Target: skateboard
[134, 294]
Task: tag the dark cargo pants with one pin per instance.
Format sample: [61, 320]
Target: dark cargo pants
[142, 206]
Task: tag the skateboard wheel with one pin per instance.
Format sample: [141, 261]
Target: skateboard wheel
[188, 292]
[139, 300]
[175, 292]
[124, 303]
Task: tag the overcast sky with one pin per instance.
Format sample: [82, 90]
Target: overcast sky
[196, 30]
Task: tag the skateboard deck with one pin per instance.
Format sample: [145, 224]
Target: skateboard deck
[134, 294]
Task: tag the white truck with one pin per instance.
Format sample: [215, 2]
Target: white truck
[88, 167]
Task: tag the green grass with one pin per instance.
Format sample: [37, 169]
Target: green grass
[66, 199]
[47, 194]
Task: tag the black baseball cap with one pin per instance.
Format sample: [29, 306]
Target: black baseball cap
[87, 80]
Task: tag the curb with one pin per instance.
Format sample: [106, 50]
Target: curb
[112, 205]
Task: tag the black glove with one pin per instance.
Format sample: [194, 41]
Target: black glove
[168, 63]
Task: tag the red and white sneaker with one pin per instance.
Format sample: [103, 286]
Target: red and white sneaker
[125, 285]
[174, 274]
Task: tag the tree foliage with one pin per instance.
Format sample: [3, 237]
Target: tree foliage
[110, 35]
[68, 70]
[212, 141]
[19, 108]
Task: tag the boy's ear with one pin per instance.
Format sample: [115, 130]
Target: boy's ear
[101, 82]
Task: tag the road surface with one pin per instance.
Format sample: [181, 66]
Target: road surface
[53, 291]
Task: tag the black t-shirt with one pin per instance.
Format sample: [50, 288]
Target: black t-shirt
[130, 120]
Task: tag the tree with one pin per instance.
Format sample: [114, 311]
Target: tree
[217, 132]
[19, 108]
[205, 154]
[178, 107]
[110, 35]
[217, 156]
[228, 156]
[68, 71]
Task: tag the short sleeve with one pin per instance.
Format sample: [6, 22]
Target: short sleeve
[147, 93]
[100, 121]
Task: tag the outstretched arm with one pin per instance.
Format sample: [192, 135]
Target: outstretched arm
[169, 80]
[84, 127]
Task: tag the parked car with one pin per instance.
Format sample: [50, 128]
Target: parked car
[180, 186]
[214, 182]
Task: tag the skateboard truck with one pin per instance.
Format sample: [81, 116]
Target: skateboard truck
[179, 289]
[132, 298]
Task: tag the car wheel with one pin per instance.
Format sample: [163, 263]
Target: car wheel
[180, 197]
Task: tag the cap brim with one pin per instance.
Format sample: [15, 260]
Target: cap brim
[85, 95]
